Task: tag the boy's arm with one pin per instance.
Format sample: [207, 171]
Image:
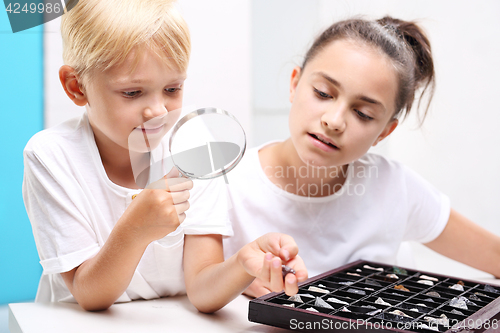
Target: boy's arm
[212, 282]
[98, 282]
[467, 242]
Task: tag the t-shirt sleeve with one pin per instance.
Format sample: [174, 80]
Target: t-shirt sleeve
[208, 212]
[428, 209]
[63, 233]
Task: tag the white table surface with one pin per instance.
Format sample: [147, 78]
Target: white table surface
[170, 314]
[177, 314]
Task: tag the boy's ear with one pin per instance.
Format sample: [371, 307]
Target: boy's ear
[71, 85]
[389, 128]
[294, 81]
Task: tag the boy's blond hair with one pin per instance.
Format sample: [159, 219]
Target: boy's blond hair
[99, 34]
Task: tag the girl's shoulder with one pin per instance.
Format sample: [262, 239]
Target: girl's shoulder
[379, 161]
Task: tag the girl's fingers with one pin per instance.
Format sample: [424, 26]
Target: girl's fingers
[256, 289]
[266, 268]
[288, 247]
[276, 275]
[299, 267]
[291, 287]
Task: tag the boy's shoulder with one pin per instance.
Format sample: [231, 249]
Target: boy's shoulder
[63, 136]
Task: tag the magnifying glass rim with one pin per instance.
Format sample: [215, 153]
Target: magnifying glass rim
[194, 114]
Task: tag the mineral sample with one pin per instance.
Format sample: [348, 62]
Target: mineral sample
[373, 268]
[285, 270]
[398, 270]
[426, 277]
[457, 287]
[490, 289]
[459, 302]
[318, 290]
[335, 300]
[400, 313]
[295, 298]
[427, 282]
[401, 287]
[321, 303]
[356, 291]
[382, 302]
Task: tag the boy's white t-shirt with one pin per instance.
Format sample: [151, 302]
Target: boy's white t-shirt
[73, 206]
[381, 204]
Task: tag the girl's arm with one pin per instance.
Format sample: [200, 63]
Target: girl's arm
[212, 282]
[467, 242]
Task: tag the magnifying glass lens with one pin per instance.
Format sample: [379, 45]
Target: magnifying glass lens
[207, 143]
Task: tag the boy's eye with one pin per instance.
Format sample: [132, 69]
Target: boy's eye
[131, 93]
[172, 90]
[363, 116]
[321, 94]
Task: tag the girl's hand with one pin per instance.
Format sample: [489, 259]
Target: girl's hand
[159, 209]
[263, 258]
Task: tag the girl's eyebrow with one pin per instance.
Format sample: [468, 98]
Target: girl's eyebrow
[360, 97]
[330, 79]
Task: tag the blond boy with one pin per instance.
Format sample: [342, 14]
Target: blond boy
[101, 238]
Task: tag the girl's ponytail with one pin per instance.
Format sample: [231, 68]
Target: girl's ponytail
[416, 39]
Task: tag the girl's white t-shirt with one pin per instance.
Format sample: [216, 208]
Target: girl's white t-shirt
[381, 204]
[73, 206]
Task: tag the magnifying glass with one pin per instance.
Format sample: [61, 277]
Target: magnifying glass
[207, 143]
[204, 144]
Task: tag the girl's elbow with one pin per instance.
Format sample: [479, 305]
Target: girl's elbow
[203, 306]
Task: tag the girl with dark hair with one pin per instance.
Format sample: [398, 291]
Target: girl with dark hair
[321, 186]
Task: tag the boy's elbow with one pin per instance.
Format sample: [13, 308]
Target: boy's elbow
[94, 306]
[207, 308]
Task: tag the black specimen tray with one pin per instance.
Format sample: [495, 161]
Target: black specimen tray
[362, 290]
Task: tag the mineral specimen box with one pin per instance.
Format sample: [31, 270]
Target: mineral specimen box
[366, 296]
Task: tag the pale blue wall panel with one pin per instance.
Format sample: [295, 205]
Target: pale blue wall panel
[21, 111]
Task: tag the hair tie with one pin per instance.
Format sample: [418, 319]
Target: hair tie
[394, 29]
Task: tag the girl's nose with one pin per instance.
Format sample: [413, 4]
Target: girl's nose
[334, 119]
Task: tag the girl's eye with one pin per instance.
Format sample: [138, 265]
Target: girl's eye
[321, 94]
[363, 116]
[130, 94]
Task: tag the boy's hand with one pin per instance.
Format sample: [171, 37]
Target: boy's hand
[159, 209]
[263, 258]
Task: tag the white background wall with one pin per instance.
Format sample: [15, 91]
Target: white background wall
[244, 50]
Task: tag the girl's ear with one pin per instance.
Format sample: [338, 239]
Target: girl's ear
[389, 128]
[294, 81]
[71, 85]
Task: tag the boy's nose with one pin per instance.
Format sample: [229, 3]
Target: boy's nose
[334, 119]
[154, 110]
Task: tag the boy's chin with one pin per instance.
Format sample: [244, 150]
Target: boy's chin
[143, 148]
